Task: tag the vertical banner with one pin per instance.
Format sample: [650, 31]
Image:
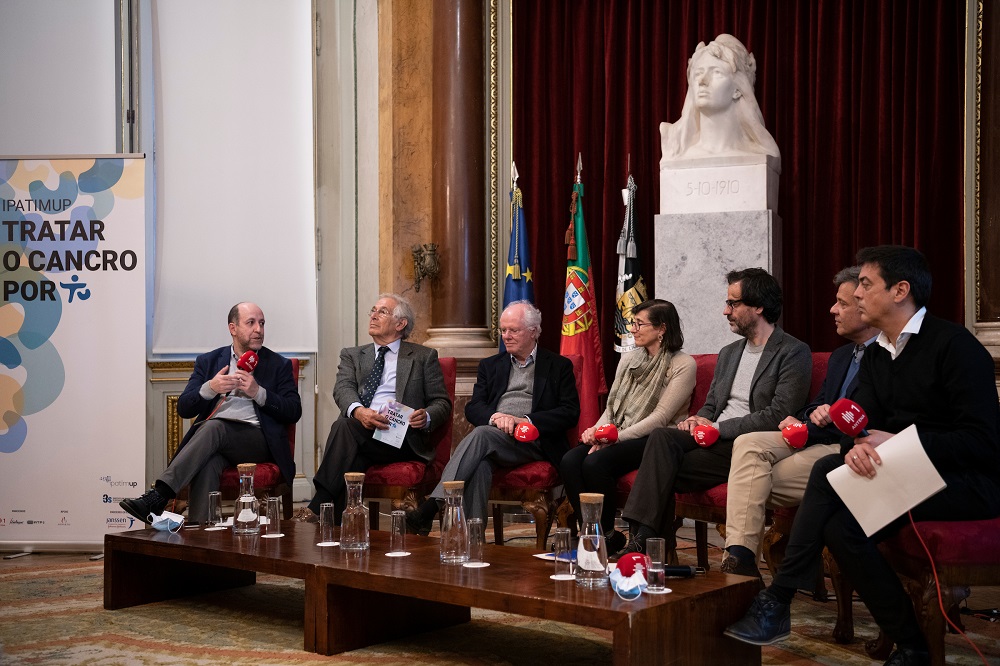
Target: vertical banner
[72, 348]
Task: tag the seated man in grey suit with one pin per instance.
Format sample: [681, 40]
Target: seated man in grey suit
[765, 470]
[239, 417]
[368, 378]
[758, 381]
[524, 383]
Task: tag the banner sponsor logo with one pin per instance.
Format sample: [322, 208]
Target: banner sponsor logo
[120, 522]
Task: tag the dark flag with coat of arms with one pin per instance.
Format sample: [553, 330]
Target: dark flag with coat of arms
[631, 289]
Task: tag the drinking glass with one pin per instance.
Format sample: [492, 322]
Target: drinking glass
[397, 535]
[273, 528]
[563, 555]
[326, 525]
[656, 578]
[214, 510]
[477, 538]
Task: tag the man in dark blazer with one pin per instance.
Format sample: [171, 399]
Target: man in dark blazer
[525, 383]
[758, 381]
[368, 379]
[240, 417]
[765, 470]
[922, 371]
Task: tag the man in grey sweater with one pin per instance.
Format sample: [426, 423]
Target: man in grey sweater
[758, 381]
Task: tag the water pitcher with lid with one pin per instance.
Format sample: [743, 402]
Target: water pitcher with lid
[454, 529]
[246, 517]
[591, 551]
[354, 523]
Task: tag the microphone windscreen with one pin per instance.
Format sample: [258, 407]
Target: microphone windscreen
[525, 432]
[606, 434]
[248, 361]
[628, 564]
[796, 435]
[705, 435]
[849, 417]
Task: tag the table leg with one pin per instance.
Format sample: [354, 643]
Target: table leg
[345, 619]
[131, 579]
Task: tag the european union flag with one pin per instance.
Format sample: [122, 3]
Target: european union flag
[519, 283]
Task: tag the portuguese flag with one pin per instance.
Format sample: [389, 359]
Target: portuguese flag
[580, 333]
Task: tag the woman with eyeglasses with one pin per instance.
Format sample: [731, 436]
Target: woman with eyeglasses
[652, 389]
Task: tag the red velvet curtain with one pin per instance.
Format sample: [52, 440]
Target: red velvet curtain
[865, 100]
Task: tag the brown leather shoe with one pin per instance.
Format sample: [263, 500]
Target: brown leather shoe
[304, 515]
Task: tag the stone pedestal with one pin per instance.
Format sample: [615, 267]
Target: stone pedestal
[716, 215]
[694, 251]
[719, 184]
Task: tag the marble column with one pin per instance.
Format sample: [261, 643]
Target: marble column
[458, 321]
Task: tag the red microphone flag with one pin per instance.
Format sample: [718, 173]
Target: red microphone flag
[248, 361]
[705, 435]
[849, 417]
[795, 435]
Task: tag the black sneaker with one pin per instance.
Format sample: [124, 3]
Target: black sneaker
[904, 656]
[768, 621]
[414, 525]
[614, 541]
[140, 507]
[633, 546]
[733, 565]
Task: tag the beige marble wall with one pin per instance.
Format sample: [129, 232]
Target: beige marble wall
[404, 115]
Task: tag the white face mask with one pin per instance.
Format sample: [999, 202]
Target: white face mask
[628, 588]
[167, 521]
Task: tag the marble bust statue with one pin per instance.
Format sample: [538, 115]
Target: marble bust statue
[720, 117]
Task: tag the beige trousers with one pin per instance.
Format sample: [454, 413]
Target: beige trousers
[765, 472]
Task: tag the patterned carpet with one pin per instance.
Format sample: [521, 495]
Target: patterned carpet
[51, 613]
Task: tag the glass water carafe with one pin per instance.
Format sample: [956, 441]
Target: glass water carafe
[454, 529]
[246, 518]
[354, 522]
[591, 552]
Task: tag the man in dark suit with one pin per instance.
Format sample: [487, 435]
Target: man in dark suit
[525, 383]
[922, 371]
[240, 417]
[368, 379]
[758, 381]
[765, 470]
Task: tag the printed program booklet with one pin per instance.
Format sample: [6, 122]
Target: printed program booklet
[399, 422]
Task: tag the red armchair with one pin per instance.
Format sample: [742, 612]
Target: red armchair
[531, 485]
[267, 479]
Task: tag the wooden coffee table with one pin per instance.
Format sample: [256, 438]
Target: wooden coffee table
[349, 595]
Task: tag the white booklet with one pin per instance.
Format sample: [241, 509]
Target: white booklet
[905, 478]
[399, 422]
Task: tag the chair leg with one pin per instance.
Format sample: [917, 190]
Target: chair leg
[539, 509]
[373, 515]
[286, 504]
[498, 524]
[843, 631]
[701, 543]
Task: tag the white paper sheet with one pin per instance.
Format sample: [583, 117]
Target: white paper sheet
[905, 478]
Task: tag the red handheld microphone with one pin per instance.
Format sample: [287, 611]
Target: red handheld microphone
[705, 435]
[248, 361]
[795, 435]
[849, 417]
[525, 432]
[606, 434]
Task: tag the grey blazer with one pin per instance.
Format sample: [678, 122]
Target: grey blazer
[780, 384]
[419, 384]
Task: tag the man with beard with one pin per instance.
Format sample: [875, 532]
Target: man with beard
[758, 381]
[240, 417]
